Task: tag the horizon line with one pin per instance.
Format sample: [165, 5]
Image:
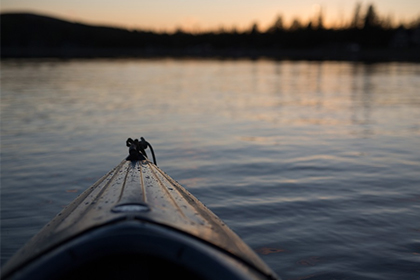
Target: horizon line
[287, 24]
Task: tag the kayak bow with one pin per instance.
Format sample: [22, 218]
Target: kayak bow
[136, 222]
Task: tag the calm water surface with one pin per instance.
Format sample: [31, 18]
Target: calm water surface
[316, 165]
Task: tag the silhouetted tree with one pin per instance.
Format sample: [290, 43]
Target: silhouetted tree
[254, 28]
[320, 20]
[277, 25]
[371, 18]
[355, 23]
[296, 24]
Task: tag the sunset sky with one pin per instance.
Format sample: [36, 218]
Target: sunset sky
[199, 15]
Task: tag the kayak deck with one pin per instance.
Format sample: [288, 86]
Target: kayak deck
[137, 203]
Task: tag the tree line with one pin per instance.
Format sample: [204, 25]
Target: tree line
[35, 35]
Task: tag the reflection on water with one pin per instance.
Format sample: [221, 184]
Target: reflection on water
[314, 164]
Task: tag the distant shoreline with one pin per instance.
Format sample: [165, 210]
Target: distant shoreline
[379, 55]
[37, 36]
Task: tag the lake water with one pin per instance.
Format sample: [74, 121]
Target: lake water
[316, 165]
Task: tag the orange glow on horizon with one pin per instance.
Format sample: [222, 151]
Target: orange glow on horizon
[190, 16]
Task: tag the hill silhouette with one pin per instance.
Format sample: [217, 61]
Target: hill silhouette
[30, 35]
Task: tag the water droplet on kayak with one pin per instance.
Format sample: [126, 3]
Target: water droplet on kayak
[124, 208]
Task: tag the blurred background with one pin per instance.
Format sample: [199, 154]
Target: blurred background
[338, 30]
[296, 123]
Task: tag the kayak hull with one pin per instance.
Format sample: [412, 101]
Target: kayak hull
[136, 221]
